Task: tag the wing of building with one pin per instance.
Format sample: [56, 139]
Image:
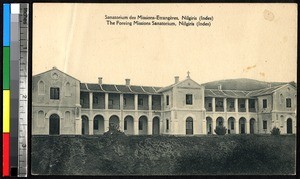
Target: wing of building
[62, 105]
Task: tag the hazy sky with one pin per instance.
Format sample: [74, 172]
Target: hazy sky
[257, 41]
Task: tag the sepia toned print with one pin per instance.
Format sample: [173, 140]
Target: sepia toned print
[228, 110]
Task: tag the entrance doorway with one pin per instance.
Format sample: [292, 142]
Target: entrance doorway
[252, 126]
[242, 125]
[85, 125]
[189, 126]
[155, 127]
[54, 124]
[289, 126]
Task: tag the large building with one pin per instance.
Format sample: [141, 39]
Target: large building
[63, 105]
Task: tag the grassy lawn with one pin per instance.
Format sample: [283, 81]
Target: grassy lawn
[163, 155]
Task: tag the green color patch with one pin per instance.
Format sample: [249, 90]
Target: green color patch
[6, 68]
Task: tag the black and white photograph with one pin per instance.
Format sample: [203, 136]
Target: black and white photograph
[164, 89]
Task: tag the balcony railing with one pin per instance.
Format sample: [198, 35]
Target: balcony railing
[242, 109]
[220, 109]
[208, 108]
[230, 110]
[252, 109]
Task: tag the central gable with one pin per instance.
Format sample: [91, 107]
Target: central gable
[188, 83]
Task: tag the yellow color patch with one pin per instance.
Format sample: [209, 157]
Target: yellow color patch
[6, 111]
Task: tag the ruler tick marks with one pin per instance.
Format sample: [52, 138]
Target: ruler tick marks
[23, 90]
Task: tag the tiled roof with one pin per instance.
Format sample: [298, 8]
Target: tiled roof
[157, 88]
[240, 94]
[264, 91]
[149, 89]
[137, 89]
[119, 88]
[133, 89]
[225, 93]
[110, 88]
[124, 88]
[93, 87]
[83, 87]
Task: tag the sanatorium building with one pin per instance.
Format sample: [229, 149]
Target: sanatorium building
[62, 105]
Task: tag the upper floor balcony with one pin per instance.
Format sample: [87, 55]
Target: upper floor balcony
[119, 101]
[215, 104]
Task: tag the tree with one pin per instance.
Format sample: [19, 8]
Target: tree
[114, 130]
[275, 131]
[220, 130]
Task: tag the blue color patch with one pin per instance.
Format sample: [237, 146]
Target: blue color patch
[6, 24]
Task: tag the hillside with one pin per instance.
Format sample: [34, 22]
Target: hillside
[241, 84]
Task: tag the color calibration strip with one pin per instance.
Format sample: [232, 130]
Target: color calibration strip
[6, 91]
[15, 88]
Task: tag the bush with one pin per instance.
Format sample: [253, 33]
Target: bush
[114, 130]
[163, 155]
[220, 130]
[275, 131]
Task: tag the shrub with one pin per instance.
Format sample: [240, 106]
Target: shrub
[114, 130]
[220, 130]
[275, 131]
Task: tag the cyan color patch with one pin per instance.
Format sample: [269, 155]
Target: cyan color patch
[6, 24]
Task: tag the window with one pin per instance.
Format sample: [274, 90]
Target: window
[81, 101]
[209, 105]
[189, 99]
[140, 101]
[111, 102]
[265, 124]
[125, 125]
[219, 104]
[54, 93]
[220, 123]
[95, 100]
[140, 125]
[265, 103]
[288, 102]
[242, 105]
[167, 124]
[96, 124]
[231, 104]
[124, 101]
[232, 125]
[168, 98]
[252, 103]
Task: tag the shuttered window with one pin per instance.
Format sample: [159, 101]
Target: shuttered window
[54, 93]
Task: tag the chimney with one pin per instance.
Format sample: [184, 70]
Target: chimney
[100, 80]
[127, 81]
[176, 79]
[219, 87]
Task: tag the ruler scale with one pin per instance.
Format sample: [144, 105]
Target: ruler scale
[23, 92]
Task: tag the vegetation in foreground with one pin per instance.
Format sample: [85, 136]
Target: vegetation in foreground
[163, 155]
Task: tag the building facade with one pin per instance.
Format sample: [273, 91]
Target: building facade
[62, 105]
